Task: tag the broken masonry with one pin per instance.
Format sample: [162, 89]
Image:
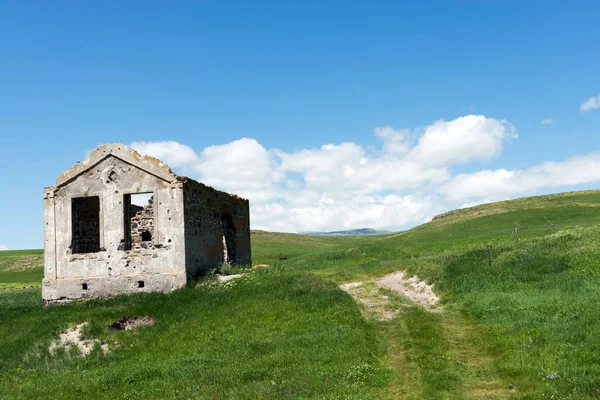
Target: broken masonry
[121, 223]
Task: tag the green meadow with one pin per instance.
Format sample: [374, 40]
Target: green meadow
[519, 283]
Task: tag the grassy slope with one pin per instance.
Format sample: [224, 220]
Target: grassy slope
[21, 268]
[272, 335]
[534, 308]
[288, 333]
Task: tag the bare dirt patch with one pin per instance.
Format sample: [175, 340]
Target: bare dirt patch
[227, 278]
[129, 323]
[416, 290]
[375, 303]
[72, 338]
[378, 304]
[262, 266]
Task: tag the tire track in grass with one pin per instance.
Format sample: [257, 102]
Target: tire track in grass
[437, 353]
[472, 350]
[417, 347]
[442, 356]
[400, 387]
[431, 371]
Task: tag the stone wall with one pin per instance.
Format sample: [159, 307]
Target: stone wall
[216, 228]
[110, 174]
[97, 244]
[141, 226]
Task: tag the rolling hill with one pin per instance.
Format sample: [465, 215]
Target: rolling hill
[348, 232]
[519, 283]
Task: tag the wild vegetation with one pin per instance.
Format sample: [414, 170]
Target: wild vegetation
[519, 283]
[21, 269]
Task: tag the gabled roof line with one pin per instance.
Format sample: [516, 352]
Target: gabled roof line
[148, 164]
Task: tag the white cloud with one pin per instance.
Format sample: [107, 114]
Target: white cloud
[348, 167]
[463, 140]
[3, 247]
[476, 203]
[172, 153]
[501, 183]
[243, 166]
[547, 121]
[590, 104]
[348, 185]
[328, 213]
[394, 142]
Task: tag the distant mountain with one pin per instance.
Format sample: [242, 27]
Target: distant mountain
[349, 232]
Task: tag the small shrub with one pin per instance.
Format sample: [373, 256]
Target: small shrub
[226, 268]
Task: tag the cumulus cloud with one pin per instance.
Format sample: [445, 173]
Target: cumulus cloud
[3, 247]
[328, 213]
[394, 142]
[463, 140]
[347, 168]
[547, 121]
[243, 166]
[590, 104]
[404, 181]
[172, 153]
[501, 183]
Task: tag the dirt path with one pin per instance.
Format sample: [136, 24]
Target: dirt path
[378, 304]
[416, 290]
[374, 304]
[436, 353]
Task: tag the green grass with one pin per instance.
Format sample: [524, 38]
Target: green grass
[533, 310]
[272, 335]
[278, 247]
[21, 269]
[520, 318]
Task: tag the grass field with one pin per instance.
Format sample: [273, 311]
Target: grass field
[520, 318]
[20, 269]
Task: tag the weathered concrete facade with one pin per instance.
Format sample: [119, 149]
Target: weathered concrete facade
[97, 243]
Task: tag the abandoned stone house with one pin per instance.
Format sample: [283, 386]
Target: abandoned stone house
[122, 223]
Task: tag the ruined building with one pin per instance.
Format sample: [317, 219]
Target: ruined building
[122, 223]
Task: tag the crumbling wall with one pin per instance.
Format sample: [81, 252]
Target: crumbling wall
[141, 226]
[98, 244]
[217, 228]
[107, 267]
[203, 244]
[229, 238]
[240, 212]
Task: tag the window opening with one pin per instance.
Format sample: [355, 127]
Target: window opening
[85, 224]
[139, 220]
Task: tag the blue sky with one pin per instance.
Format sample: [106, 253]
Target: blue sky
[244, 95]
